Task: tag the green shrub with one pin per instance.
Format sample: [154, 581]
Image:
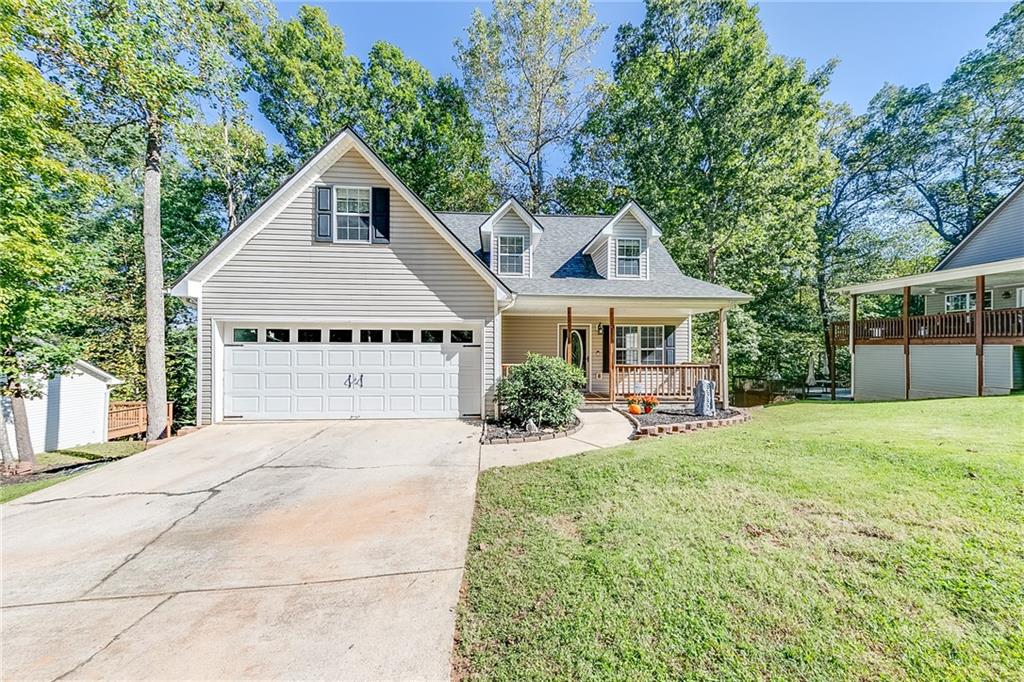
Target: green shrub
[544, 389]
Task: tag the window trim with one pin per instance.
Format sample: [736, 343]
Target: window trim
[521, 255]
[640, 349]
[335, 214]
[988, 294]
[619, 258]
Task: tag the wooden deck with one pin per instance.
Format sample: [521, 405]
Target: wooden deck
[1005, 326]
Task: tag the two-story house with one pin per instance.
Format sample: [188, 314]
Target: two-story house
[344, 296]
[970, 339]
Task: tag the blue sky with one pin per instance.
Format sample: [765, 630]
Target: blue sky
[908, 43]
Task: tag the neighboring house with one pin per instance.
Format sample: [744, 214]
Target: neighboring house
[957, 348]
[72, 410]
[344, 296]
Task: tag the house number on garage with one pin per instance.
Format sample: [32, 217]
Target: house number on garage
[353, 382]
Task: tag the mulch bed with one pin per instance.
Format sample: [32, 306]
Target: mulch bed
[498, 432]
[676, 416]
[676, 420]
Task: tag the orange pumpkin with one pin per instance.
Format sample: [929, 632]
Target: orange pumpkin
[634, 408]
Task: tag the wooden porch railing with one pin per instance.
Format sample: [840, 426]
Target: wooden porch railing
[1007, 323]
[664, 381]
[128, 418]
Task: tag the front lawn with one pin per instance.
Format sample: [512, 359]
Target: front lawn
[820, 541]
[14, 487]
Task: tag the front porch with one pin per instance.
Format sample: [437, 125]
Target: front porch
[642, 351]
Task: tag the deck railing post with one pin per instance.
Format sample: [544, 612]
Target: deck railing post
[979, 336]
[906, 342]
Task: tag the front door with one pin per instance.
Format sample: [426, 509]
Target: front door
[579, 350]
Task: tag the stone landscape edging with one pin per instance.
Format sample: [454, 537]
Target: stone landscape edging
[642, 431]
[550, 435]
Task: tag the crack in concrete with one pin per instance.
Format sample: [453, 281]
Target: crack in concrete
[103, 497]
[233, 588]
[212, 491]
[114, 639]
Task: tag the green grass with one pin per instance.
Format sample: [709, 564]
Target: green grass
[818, 542]
[12, 491]
[114, 449]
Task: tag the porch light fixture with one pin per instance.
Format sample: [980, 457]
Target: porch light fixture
[1006, 294]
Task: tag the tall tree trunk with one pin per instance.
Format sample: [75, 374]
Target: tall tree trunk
[156, 373]
[229, 189]
[825, 311]
[5, 441]
[712, 267]
[26, 454]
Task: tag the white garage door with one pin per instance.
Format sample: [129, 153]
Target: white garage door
[310, 372]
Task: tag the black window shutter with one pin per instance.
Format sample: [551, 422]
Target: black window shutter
[605, 355]
[381, 216]
[670, 345]
[323, 214]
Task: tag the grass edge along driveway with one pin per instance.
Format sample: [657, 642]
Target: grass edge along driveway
[820, 541]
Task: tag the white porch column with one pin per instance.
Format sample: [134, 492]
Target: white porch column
[723, 356]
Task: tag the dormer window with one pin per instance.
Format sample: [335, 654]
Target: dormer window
[510, 254]
[628, 258]
[352, 214]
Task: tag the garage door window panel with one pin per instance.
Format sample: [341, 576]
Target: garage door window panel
[371, 336]
[462, 336]
[401, 336]
[340, 336]
[309, 335]
[432, 336]
[245, 335]
[278, 335]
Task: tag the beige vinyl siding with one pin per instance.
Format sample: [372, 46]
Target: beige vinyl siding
[936, 303]
[879, 373]
[600, 258]
[998, 369]
[282, 273]
[1002, 237]
[943, 371]
[522, 334]
[629, 227]
[511, 224]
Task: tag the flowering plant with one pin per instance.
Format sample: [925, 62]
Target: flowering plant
[649, 402]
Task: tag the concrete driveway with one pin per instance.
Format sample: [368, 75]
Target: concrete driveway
[288, 550]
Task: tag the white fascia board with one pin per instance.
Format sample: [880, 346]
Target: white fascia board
[606, 232]
[511, 204]
[341, 144]
[896, 285]
[89, 368]
[989, 218]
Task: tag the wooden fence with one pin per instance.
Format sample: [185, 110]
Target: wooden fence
[129, 418]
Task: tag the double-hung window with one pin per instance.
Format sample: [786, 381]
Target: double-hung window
[639, 345]
[628, 258]
[510, 254]
[352, 214]
[967, 301]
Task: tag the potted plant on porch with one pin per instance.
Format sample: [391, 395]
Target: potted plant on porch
[650, 402]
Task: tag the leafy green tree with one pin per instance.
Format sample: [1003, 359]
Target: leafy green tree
[956, 152]
[41, 193]
[528, 76]
[140, 63]
[717, 138]
[310, 90]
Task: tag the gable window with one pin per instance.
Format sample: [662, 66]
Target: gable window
[966, 301]
[640, 345]
[628, 258]
[352, 214]
[510, 254]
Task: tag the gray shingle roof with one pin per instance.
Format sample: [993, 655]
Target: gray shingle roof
[560, 267]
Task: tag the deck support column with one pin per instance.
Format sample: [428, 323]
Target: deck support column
[979, 338]
[906, 342]
[610, 350]
[723, 358]
[851, 341]
[568, 335]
